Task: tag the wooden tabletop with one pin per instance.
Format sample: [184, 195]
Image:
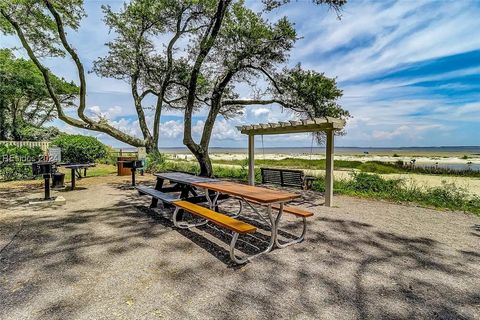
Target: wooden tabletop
[183, 178]
[258, 194]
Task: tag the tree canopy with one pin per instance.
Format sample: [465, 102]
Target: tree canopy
[210, 47]
[25, 105]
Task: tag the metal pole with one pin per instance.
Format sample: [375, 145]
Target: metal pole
[329, 170]
[133, 175]
[73, 178]
[251, 159]
[46, 177]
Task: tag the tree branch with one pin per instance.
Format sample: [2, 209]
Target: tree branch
[61, 115]
[206, 45]
[76, 59]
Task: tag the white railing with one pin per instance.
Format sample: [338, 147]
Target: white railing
[42, 144]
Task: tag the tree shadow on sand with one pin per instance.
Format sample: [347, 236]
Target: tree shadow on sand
[345, 269]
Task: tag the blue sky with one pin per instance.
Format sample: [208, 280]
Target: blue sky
[410, 72]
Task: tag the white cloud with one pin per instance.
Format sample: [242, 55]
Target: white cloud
[257, 112]
[171, 129]
[408, 131]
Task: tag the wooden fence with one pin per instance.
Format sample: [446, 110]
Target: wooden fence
[42, 144]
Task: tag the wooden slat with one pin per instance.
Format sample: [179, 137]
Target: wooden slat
[262, 195]
[165, 197]
[293, 210]
[289, 209]
[215, 217]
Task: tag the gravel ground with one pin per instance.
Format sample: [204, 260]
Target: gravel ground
[105, 255]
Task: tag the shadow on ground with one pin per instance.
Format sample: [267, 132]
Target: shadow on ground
[82, 263]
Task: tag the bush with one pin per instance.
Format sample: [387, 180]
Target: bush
[80, 149]
[365, 182]
[110, 157]
[155, 162]
[15, 162]
[378, 167]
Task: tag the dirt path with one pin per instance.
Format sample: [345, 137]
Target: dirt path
[104, 255]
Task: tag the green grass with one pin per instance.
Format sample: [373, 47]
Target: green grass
[100, 170]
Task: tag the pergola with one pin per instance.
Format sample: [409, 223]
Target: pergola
[327, 125]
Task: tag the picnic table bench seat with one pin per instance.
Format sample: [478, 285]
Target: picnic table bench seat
[215, 217]
[294, 210]
[165, 197]
[236, 226]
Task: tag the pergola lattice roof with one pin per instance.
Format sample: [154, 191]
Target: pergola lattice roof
[298, 126]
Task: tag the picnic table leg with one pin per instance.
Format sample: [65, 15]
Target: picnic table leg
[239, 260]
[273, 228]
[85, 172]
[212, 203]
[183, 195]
[158, 186]
[73, 178]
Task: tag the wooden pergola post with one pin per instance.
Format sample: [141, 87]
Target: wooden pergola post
[251, 159]
[327, 125]
[329, 169]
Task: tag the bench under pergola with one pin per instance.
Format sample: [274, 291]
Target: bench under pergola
[328, 125]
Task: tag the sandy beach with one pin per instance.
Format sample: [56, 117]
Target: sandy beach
[470, 184]
[450, 159]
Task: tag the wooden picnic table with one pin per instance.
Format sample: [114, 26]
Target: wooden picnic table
[247, 192]
[215, 190]
[251, 195]
[76, 169]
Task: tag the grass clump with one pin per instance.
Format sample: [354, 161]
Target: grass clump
[379, 167]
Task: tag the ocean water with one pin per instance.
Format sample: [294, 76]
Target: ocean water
[440, 151]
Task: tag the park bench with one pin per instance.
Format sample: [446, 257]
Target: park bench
[287, 178]
[237, 227]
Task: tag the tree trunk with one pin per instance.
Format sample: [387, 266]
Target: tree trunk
[3, 120]
[151, 145]
[206, 169]
[15, 122]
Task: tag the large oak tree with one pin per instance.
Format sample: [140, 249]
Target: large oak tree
[25, 104]
[210, 48]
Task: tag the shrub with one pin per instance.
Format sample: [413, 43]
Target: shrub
[155, 162]
[364, 182]
[110, 157]
[80, 149]
[378, 167]
[15, 162]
